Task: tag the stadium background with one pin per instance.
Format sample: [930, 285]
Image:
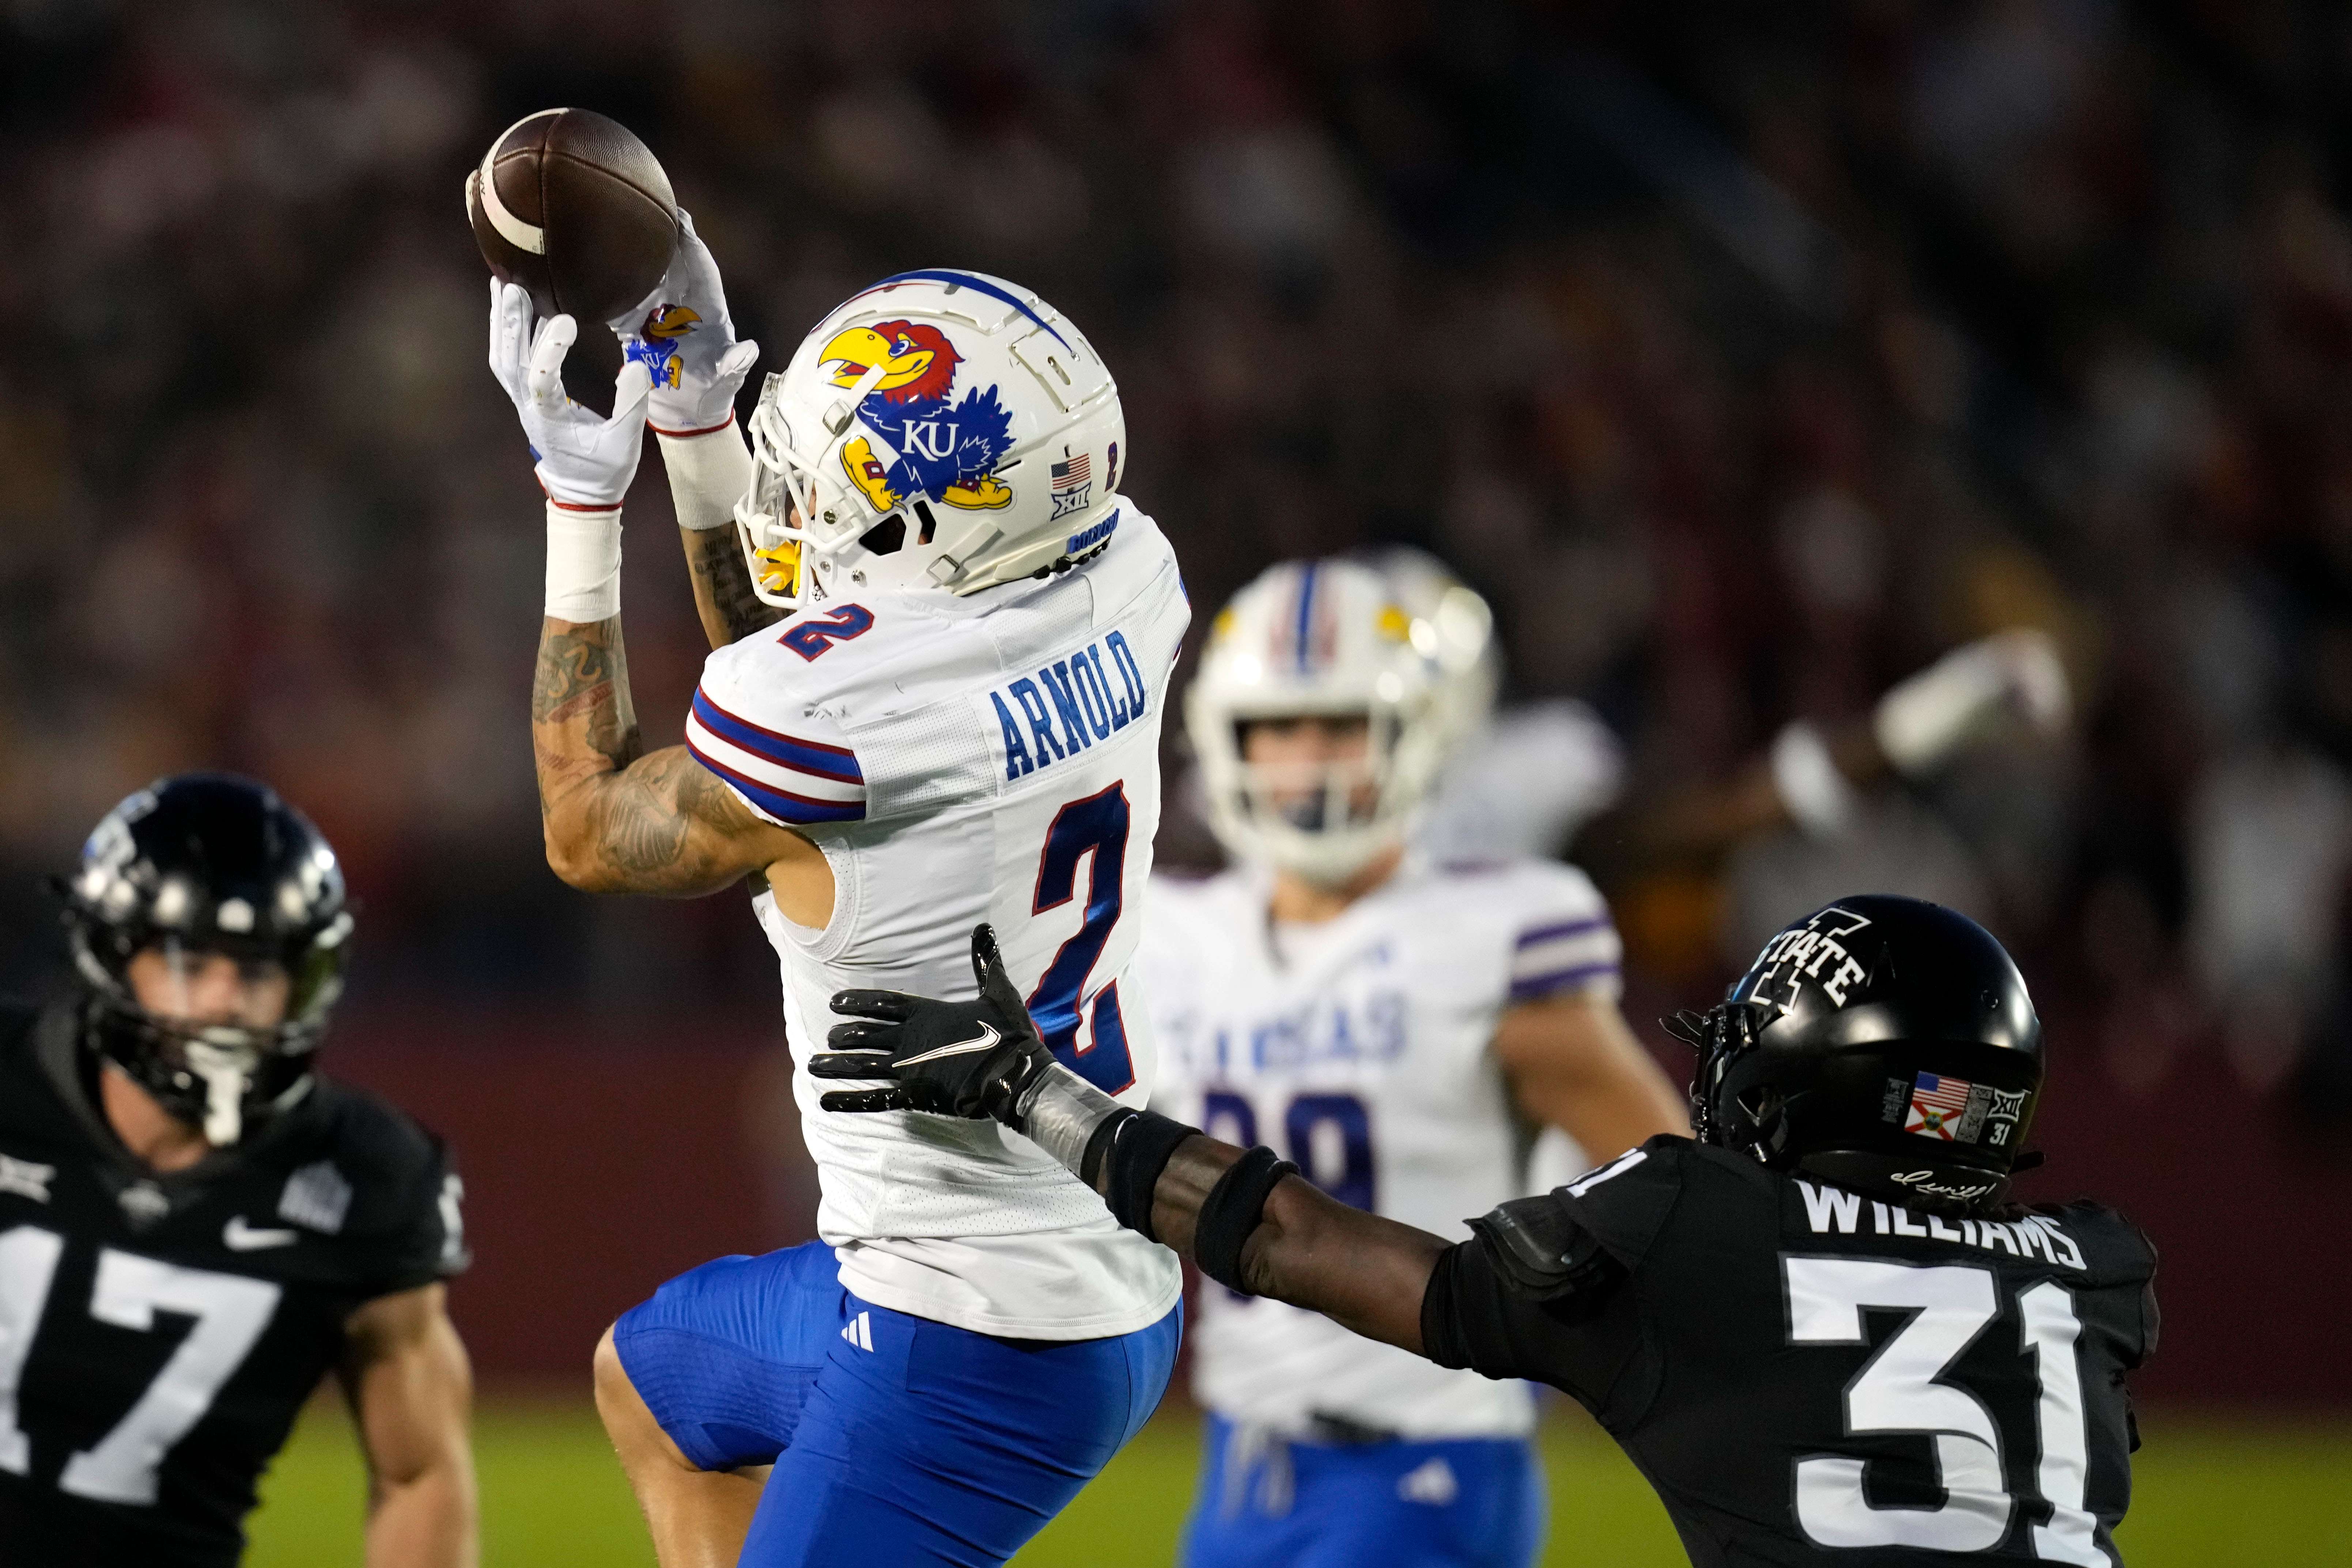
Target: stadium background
[1746, 356]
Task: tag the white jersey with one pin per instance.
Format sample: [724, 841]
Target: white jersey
[1360, 1049]
[993, 758]
[1524, 785]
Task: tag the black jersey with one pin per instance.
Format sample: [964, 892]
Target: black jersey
[1809, 1375]
[158, 1333]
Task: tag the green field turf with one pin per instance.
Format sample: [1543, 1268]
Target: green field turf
[2210, 1495]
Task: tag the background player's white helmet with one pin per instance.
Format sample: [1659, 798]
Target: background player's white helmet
[941, 429]
[1325, 638]
[1452, 625]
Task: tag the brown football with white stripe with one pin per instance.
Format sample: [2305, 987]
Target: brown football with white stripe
[574, 207]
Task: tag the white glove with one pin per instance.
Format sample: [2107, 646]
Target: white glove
[1968, 692]
[685, 338]
[585, 460]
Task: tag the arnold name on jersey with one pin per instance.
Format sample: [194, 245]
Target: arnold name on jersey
[1090, 699]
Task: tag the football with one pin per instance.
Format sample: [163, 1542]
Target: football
[570, 205]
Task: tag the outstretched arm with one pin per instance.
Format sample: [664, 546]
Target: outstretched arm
[1811, 777]
[1363, 1272]
[618, 819]
[1249, 1221]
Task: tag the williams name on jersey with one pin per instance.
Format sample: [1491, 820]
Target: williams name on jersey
[139, 1311]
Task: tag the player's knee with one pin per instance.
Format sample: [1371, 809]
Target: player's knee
[627, 1419]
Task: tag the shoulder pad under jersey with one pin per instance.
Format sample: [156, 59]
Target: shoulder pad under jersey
[1538, 1246]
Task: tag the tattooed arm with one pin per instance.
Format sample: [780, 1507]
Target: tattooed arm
[708, 473]
[731, 612]
[619, 819]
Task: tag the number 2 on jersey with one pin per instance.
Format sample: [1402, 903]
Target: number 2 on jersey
[810, 639]
[1094, 826]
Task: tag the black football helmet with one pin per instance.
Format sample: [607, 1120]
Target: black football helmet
[1885, 1044]
[198, 864]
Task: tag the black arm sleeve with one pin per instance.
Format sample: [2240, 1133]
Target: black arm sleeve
[1532, 1295]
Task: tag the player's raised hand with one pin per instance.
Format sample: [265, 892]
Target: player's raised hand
[686, 340]
[2009, 676]
[974, 1059]
[585, 459]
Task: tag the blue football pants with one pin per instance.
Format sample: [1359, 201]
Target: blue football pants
[896, 1439]
[1475, 1503]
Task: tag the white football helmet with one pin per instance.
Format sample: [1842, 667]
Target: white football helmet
[1453, 625]
[1318, 637]
[941, 429]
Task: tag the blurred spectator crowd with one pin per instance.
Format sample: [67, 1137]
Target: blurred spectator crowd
[1747, 357]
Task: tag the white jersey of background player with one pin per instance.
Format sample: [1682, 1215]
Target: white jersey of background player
[1393, 1025]
[958, 721]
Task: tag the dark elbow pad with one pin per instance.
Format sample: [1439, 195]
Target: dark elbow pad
[1494, 1303]
[1539, 1251]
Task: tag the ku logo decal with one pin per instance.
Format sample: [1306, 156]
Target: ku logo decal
[656, 344]
[930, 448]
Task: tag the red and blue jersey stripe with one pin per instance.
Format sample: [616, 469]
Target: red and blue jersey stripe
[788, 777]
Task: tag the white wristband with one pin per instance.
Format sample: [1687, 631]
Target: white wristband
[707, 475]
[584, 563]
[1816, 794]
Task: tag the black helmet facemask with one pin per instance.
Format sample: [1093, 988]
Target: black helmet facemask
[185, 878]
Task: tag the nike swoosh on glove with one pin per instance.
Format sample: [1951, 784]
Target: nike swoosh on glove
[686, 340]
[585, 459]
[974, 1060]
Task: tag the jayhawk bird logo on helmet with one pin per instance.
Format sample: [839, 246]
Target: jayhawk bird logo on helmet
[947, 454]
[890, 451]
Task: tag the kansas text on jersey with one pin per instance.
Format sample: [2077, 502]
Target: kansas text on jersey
[158, 1333]
[1361, 1051]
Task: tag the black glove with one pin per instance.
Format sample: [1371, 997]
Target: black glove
[972, 1059]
